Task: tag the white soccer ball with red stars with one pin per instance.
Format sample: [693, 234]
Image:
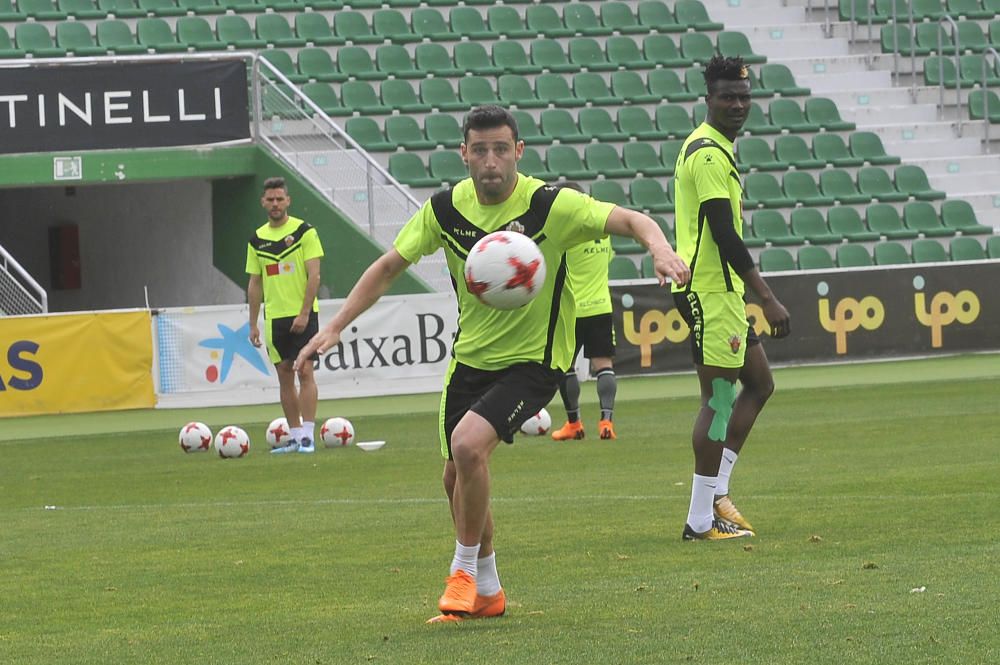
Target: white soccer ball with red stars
[505, 270]
[337, 432]
[538, 424]
[232, 442]
[278, 433]
[195, 437]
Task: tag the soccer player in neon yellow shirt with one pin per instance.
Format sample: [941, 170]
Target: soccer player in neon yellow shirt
[505, 364]
[709, 226]
[283, 262]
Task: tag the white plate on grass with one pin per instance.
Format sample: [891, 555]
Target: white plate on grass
[368, 446]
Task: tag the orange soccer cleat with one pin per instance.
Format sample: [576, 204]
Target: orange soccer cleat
[484, 607]
[606, 429]
[569, 431]
[459, 595]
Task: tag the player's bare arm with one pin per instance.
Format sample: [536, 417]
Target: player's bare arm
[625, 222]
[312, 288]
[255, 296]
[375, 281]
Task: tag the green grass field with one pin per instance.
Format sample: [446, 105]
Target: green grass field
[865, 483]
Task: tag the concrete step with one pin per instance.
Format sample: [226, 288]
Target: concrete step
[869, 115]
[874, 97]
[956, 165]
[915, 151]
[815, 46]
[752, 12]
[759, 33]
[890, 132]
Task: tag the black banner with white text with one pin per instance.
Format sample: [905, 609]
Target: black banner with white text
[122, 105]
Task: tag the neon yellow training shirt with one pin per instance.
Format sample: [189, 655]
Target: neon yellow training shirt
[279, 256]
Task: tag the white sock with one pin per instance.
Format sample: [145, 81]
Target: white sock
[309, 430]
[297, 433]
[465, 558]
[487, 580]
[725, 470]
[700, 510]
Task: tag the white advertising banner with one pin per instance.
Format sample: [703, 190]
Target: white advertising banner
[401, 345]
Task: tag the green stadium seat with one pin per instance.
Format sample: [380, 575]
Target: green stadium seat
[506, 21]
[642, 158]
[443, 130]
[661, 49]
[622, 267]
[360, 96]
[41, 10]
[770, 225]
[276, 31]
[749, 239]
[278, 102]
[921, 216]
[7, 48]
[447, 166]
[316, 64]
[665, 84]
[635, 121]
[875, 182]
[431, 58]
[940, 70]
[969, 9]
[733, 44]
[762, 190]
[549, 54]
[236, 31]
[927, 36]
[959, 215]
[279, 6]
[970, 68]
[800, 186]
[629, 86]
[155, 33]
[554, 89]
[884, 219]
[472, 57]
[75, 37]
[392, 26]
[823, 112]
[646, 267]
[669, 151]
[758, 123]
[776, 259]
[699, 113]
[515, 91]
[757, 89]
[531, 164]
[368, 134]
[9, 13]
[353, 27]
[755, 153]
[890, 253]
[409, 169]
[666, 227]
[81, 9]
[674, 120]
[195, 32]
[440, 96]
[697, 47]
[356, 62]
[847, 223]
[582, 20]
[889, 10]
[236, 6]
[994, 28]
[428, 23]
[115, 35]
[928, 251]
[928, 9]
[314, 29]
[393, 60]
[792, 149]
[161, 8]
[200, 6]
[976, 103]
[597, 122]
[839, 185]
[282, 61]
[544, 20]
[586, 53]
[787, 114]
[623, 52]
[812, 257]
[862, 10]
[317, 5]
[912, 180]
[559, 124]
[656, 15]
[566, 162]
[831, 149]
[609, 191]
[966, 249]
[971, 36]
[468, 22]
[868, 146]
[618, 17]
[648, 194]
[897, 37]
[604, 159]
[993, 247]
[592, 88]
[808, 223]
[477, 91]
[511, 58]
[528, 131]
[625, 245]
[853, 256]
[399, 95]
[692, 14]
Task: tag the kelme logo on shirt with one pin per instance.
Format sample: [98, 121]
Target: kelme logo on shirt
[515, 227]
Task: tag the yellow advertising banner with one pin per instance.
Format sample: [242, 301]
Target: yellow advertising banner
[69, 363]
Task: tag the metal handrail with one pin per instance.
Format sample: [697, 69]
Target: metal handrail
[946, 19]
[10, 264]
[987, 54]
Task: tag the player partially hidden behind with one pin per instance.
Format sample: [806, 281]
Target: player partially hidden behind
[587, 273]
[505, 365]
[283, 262]
[709, 238]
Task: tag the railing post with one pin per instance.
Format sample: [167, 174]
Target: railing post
[989, 53]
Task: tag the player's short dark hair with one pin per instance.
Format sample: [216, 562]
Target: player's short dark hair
[490, 116]
[275, 183]
[724, 69]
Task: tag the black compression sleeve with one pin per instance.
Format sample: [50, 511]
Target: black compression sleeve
[720, 222]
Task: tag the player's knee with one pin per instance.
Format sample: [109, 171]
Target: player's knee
[466, 451]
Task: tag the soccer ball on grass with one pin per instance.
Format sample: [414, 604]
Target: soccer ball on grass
[505, 270]
[278, 433]
[232, 442]
[337, 432]
[195, 437]
[538, 424]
